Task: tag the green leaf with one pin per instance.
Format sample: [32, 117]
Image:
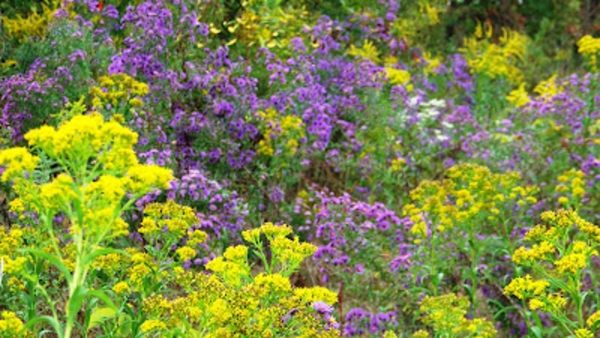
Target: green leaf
[99, 315]
[103, 297]
[52, 259]
[50, 320]
[536, 331]
[75, 302]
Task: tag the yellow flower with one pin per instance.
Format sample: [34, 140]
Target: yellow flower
[271, 230]
[519, 287]
[136, 102]
[397, 164]
[593, 319]
[420, 334]
[153, 325]
[537, 252]
[535, 304]
[121, 288]
[571, 263]
[368, 51]
[186, 253]
[315, 294]
[219, 311]
[11, 325]
[589, 48]
[196, 237]
[237, 253]
[146, 177]
[549, 88]
[252, 236]
[583, 333]
[274, 283]
[18, 160]
[518, 97]
[397, 76]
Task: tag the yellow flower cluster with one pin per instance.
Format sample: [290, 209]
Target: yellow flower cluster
[86, 136]
[446, 315]
[286, 130]
[84, 139]
[12, 326]
[153, 325]
[288, 253]
[118, 88]
[264, 25]
[232, 272]
[593, 319]
[18, 161]
[526, 287]
[469, 192]
[233, 302]
[571, 182]
[398, 77]
[35, 24]
[496, 60]
[583, 333]
[518, 97]
[589, 48]
[553, 303]
[563, 250]
[176, 218]
[549, 88]
[10, 241]
[570, 260]
[397, 164]
[367, 51]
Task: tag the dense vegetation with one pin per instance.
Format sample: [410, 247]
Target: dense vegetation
[312, 168]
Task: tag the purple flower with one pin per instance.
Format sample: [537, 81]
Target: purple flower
[322, 307]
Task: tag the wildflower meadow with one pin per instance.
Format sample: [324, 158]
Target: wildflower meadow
[299, 168]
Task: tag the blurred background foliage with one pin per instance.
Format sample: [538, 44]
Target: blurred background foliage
[437, 26]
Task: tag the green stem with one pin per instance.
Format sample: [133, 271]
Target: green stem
[433, 265]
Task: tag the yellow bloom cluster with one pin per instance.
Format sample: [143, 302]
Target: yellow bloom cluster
[286, 252]
[10, 241]
[176, 218]
[589, 48]
[570, 260]
[397, 164]
[231, 272]
[583, 333]
[261, 25]
[233, 302]
[367, 51]
[469, 192]
[35, 24]
[18, 161]
[495, 60]
[118, 88]
[571, 182]
[280, 133]
[593, 319]
[398, 77]
[524, 287]
[86, 136]
[518, 97]
[549, 88]
[537, 253]
[12, 326]
[446, 315]
[153, 325]
[80, 144]
[563, 250]
[553, 303]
